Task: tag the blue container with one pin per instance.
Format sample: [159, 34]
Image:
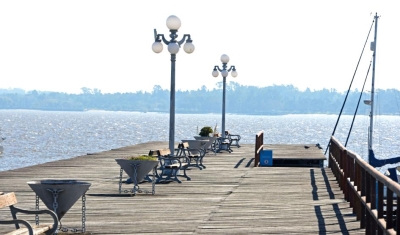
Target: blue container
[266, 158]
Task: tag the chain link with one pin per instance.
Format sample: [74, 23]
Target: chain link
[55, 193]
[83, 212]
[135, 179]
[120, 180]
[37, 208]
[136, 188]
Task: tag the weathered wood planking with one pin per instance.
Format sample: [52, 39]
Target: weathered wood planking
[230, 196]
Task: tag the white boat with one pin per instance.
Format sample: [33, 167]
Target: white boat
[373, 161]
[388, 164]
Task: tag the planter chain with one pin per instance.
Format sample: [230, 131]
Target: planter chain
[135, 180]
[83, 212]
[55, 193]
[37, 208]
[120, 180]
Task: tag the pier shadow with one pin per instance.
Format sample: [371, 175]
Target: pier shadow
[327, 184]
[335, 207]
[239, 163]
[242, 160]
[250, 162]
[314, 186]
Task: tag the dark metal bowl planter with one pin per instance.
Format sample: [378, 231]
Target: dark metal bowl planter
[60, 196]
[137, 168]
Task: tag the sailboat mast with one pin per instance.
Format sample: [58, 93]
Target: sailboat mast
[371, 116]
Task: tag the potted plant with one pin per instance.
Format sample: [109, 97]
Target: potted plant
[205, 134]
[206, 131]
[142, 164]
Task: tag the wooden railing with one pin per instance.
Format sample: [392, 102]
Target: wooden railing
[364, 187]
[259, 147]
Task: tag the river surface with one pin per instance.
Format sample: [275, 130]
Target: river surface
[34, 137]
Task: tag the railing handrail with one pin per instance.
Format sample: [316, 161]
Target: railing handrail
[394, 186]
[364, 187]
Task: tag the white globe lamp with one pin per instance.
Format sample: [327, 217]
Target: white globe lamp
[188, 47]
[215, 73]
[173, 22]
[224, 58]
[157, 47]
[234, 73]
[173, 47]
[224, 73]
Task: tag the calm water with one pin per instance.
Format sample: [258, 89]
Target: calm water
[34, 137]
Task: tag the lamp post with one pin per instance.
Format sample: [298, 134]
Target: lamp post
[173, 23]
[224, 72]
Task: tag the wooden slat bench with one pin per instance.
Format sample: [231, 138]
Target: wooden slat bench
[172, 166]
[9, 200]
[234, 139]
[195, 155]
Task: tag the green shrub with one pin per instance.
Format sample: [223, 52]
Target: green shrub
[206, 131]
[143, 158]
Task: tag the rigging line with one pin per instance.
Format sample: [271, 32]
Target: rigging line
[358, 104]
[347, 94]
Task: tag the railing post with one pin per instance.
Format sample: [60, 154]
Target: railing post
[372, 190]
[389, 209]
[363, 193]
[341, 177]
[258, 147]
[368, 219]
[256, 154]
[350, 164]
[398, 213]
[380, 200]
[357, 184]
[345, 175]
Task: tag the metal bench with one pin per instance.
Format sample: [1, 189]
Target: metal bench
[234, 139]
[171, 167]
[195, 155]
[9, 200]
[223, 144]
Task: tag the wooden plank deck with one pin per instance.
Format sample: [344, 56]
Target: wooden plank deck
[230, 196]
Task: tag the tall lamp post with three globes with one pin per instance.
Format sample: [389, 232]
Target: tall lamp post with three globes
[173, 23]
[224, 72]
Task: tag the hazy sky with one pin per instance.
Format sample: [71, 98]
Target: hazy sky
[66, 45]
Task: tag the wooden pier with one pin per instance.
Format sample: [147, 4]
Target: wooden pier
[230, 196]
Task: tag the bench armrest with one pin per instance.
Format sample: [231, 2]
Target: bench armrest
[16, 222]
[235, 137]
[191, 151]
[169, 160]
[15, 210]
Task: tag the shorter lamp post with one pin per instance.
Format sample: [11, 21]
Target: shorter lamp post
[224, 72]
[173, 23]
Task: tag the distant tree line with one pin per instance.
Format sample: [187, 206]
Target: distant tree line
[272, 100]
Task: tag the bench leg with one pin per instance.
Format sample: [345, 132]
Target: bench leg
[184, 174]
[197, 164]
[225, 147]
[201, 163]
[168, 174]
